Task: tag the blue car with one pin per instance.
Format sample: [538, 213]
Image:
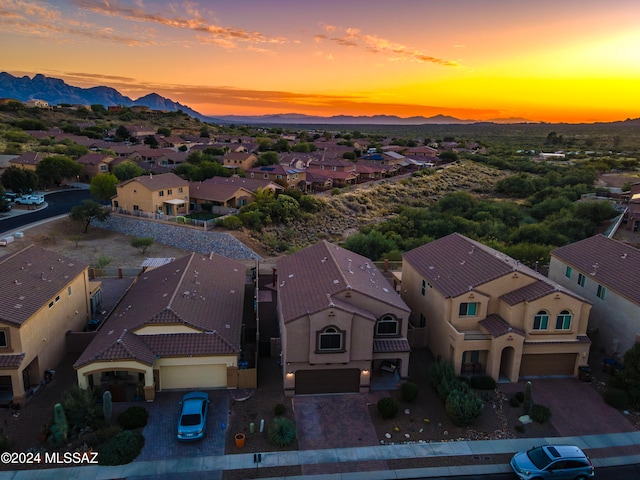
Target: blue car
[192, 423]
[555, 462]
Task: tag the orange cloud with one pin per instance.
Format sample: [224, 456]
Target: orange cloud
[221, 35]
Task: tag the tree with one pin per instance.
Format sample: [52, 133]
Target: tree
[142, 243]
[164, 131]
[19, 180]
[56, 168]
[630, 374]
[87, 212]
[127, 170]
[122, 134]
[151, 141]
[103, 186]
[448, 156]
[268, 158]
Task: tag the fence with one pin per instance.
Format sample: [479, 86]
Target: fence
[178, 220]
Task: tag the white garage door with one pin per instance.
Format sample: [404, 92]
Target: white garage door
[193, 376]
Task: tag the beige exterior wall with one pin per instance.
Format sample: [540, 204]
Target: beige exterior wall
[43, 336]
[164, 329]
[134, 193]
[449, 336]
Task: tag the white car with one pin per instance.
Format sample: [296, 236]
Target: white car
[30, 200]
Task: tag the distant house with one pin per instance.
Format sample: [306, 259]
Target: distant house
[28, 160]
[44, 296]
[178, 327]
[633, 216]
[239, 160]
[203, 194]
[604, 271]
[152, 194]
[340, 321]
[289, 177]
[251, 184]
[94, 164]
[484, 312]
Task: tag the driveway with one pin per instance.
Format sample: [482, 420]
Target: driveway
[576, 407]
[160, 432]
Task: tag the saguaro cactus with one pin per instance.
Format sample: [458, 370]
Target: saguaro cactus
[60, 428]
[527, 399]
[107, 406]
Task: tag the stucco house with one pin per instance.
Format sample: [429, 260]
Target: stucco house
[239, 160]
[218, 195]
[94, 164]
[484, 312]
[165, 193]
[340, 321]
[286, 176]
[604, 271]
[43, 296]
[178, 327]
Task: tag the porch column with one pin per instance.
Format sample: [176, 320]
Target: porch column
[149, 386]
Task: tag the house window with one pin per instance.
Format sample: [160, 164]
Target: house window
[169, 192]
[278, 177]
[161, 193]
[563, 321]
[541, 320]
[581, 278]
[136, 208]
[423, 320]
[567, 272]
[103, 168]
[468, 309]
[4, 339]
[57, 298]
[424, 287]
[265, 176]
[602, 291]
[115, 203]
[69, 290]
[330, 340]
[179, 189]
[387, 326]
[51, 304]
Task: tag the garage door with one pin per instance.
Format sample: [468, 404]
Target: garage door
[193, 376]
[345, 380]
[547, 364]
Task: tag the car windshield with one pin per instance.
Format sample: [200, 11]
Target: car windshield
[539, 457]
[190, 419]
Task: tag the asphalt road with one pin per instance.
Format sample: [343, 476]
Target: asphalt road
[627, 472]
[58, 203]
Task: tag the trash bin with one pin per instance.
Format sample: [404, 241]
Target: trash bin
[609, 365]
[584, 374]
[239, 440]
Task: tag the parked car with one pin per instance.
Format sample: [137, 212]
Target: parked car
[10, 196]
[30, 200]
[5, 206]
[192, 423]
[553, 461]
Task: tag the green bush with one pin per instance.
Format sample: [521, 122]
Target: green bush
[281, 432]
[483, 382]
[133, 417]
[520, 428]
[514, 402]
[279, 410]
[520, 396]
[122, 448]
[463, 407]
[231, 222]
[409, 391]
[388, 407]
[439, 371]
[616, 397]
[81, 409]
[540, 413]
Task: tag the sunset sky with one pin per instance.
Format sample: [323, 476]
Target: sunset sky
[543, 60]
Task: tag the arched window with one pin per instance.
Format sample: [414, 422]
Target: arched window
[563, 320]
[331, 339]
[387, 326]
[541, 320]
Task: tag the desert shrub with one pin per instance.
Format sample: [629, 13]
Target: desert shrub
[122, 448]
[5, 443]
[463, 407]
[409, 391]
[616, 397]
[520, 428]
[483, 382]
[133, 417]
[520, 396]
[231, 222]
[142, 243]
[107, 433]
[388, 407]
[540, 413]
[281, 432]
[279, 410]
[514, 402]
[81, 409]
[439, 371]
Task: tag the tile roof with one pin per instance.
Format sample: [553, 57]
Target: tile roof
[203, 292]
[497, 326]
[529, 293]
[308, 278]
[31, 278]
[158, 181]
[390, 345]
[217, 192]
[94, 159]
[11, 361]
[609, 262]
[251, 184]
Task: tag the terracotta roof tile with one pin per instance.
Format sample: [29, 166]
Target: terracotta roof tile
[390, 345]
[528, 293]
[11, 361]
[497, 326]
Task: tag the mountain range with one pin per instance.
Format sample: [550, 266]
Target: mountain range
[56, 91]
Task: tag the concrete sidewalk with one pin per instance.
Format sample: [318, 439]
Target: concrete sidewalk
[601, 448]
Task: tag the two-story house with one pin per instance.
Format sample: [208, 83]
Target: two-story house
[285, 176]
[604, 271]
[486, 313]
[94, 164]
[239, 160]
[340, 320]
[166, 193]
[178, 327]
[43, 296]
